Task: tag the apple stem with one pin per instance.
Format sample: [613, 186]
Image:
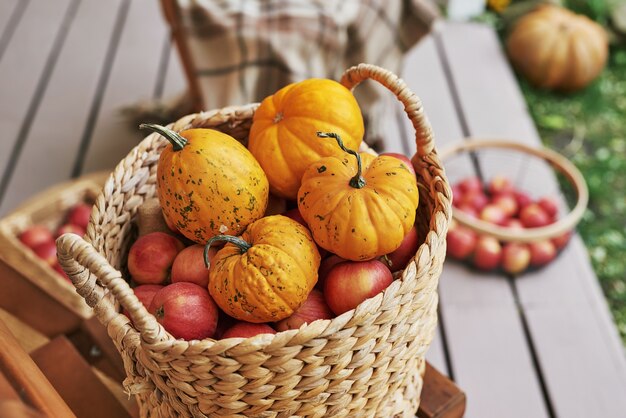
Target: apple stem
[239, 242]
[177, 141]
[358, 182]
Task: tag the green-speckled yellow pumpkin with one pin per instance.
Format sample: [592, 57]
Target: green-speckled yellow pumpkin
[359, 209]
[208, 183]
[282, 135]
[267, 273]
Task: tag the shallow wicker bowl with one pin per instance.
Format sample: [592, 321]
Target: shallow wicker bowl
[491, 157]
[366, 362]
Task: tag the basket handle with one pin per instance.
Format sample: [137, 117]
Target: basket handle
[85, 267]
[353, 76]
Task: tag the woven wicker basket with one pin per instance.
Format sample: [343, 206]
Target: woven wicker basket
[366, 362]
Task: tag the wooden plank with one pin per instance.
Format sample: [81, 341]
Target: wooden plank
[487, 344]
[567, 316]
[76, 382]
[133, 78]
[424, 74]
[51, 146]
[22, 66]
[20, 369]
[27, 301]
[482, 349]
[29, 338]
[484, 372]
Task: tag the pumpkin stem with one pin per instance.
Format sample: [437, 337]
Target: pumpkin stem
[239, 242]
[358, 182]
[177, 141]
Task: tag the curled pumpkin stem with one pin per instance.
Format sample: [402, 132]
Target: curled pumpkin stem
[177, 141]
[239, 242]
[358, 182]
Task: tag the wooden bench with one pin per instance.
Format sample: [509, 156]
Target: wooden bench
[543, 345]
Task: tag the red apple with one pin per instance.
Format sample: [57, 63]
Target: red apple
[541, 253]
[313, 308]
[47, 252]
[145, 293]
[515, 257]
[507, 203]
[457, 195]
[151, 257]
[185, 310]
[244, 329]
[500, 185]
[522, 198]
[398, 259]
[325, 266]
[36, 235]
[533, 216]
[70, 229]
[494, 214]
[461, 241]
[562, 240]
[79, 215]
[189, 265]
[550, 206]
[57, 267]
[488, 253]
[350, 283]
[476, 199]
[407, 162]
[471, 184]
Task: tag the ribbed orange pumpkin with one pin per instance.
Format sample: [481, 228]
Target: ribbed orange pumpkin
[267, 273]
[358, 210]
[282, 136]
[208, 183]
[557, 49]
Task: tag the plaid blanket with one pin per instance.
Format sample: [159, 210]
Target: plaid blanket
[238, 52]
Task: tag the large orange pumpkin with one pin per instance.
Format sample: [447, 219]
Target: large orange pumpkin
[267, 273]
[358, 210]
[282, 136]
[208, 183]
[557, 49]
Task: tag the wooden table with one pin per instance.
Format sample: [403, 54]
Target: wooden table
[542, 345]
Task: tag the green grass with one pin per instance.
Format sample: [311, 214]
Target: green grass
[590, 128]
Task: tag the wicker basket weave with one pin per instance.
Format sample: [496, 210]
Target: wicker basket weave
[366, 362]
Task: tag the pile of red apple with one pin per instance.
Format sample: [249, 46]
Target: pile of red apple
[171, 280]
[40, 239]
[500, 203]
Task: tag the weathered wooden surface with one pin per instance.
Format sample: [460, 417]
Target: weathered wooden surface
[542, 345]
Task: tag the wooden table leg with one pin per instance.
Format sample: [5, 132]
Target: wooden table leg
[441, 397]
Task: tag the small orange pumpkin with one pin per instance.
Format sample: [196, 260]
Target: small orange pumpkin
[267, 273]
[208, 183]
[358, 211]
[282, 135]
[557, 49]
